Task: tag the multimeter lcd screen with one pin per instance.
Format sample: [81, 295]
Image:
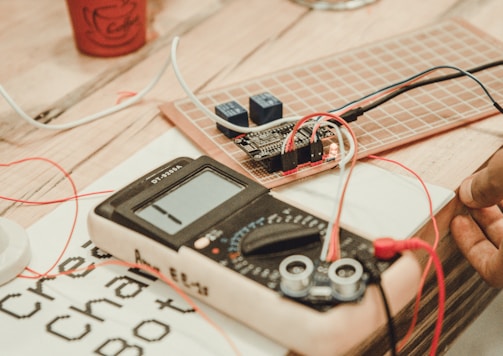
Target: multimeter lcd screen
[189, 201]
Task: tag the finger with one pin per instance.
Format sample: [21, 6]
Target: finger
[466, 233]
[465, 194]
[485, 187]
[490, 221]
[492, 267]
[486, 258]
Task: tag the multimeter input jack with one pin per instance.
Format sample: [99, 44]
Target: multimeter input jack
[346, 279]
[296, 273]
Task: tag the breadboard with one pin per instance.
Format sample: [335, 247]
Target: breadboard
[333, 81]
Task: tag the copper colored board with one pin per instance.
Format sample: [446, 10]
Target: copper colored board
[333, 81]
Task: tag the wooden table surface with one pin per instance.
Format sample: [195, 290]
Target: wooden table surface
[223, 42]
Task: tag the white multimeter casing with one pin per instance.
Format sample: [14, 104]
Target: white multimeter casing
[205, 255]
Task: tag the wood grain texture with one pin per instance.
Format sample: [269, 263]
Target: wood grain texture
[224, 42]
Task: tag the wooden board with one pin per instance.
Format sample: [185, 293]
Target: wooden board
[331, 82]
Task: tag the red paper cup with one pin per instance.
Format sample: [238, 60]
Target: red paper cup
[108, 28]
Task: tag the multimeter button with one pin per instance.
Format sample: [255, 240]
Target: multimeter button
[277, 238]
[202, 242]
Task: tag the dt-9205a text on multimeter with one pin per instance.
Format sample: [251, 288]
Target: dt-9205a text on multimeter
[228, 241]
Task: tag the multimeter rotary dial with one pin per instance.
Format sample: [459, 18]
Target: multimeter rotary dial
[253, 242]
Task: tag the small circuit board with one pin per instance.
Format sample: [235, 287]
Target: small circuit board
[265, 146]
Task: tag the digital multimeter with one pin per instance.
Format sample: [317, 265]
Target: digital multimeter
[227, 240]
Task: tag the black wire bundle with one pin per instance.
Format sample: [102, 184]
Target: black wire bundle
[351, 115]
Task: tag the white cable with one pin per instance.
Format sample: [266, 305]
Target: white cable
[352, 144]
[345, 158]
[89, 118]
[209, 113]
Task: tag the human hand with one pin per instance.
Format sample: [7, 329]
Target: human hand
[479, 235]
